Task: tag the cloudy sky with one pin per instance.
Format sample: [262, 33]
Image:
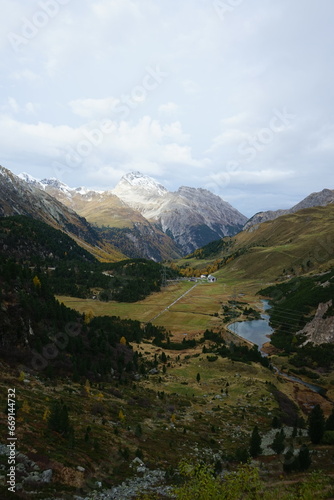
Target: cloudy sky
[235, 96]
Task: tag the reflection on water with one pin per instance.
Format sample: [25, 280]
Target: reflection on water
[258, 331]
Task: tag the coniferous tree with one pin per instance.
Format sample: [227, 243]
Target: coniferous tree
[58, 419]
[255, 443]
[278, 443]
[316, 427]
[329, 426]
[289, 461]
[304, 458]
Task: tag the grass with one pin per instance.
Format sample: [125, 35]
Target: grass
[195, 312]
[203, 422]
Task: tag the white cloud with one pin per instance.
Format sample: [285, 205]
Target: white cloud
[12, 105]
[108, 10]
[94, 108]
[190, 87]
[170, 108]
[25, 74]
[225, 77]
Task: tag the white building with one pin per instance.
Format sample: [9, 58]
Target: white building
[211, 278]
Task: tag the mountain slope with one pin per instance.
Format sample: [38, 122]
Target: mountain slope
[290, 245]
[115, 221]
[17, 197]
[321, 198]
[192, 217]
[142, 218]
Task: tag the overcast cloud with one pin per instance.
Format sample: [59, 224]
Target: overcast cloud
[235, 96]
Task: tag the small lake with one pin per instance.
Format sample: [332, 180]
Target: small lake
[257, 330]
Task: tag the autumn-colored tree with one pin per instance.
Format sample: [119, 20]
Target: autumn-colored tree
[122, 340]
[25, 407]
[87, 387]
[88, 316]
[37, 282]
[121, 416]
[46, 414]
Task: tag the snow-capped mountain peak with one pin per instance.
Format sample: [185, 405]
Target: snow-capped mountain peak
[137, 180]
[28, 178]
[55, 183]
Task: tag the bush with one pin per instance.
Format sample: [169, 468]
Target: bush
[328, 438]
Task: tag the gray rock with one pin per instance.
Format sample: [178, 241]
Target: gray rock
[46, 476]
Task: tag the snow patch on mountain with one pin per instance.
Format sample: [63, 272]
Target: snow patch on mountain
[141, 181]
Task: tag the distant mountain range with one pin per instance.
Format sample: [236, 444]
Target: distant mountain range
[138, 218]
[142, 218]
[320, 199]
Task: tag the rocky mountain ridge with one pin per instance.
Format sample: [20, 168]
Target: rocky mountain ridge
[171, 223]
[191, 216]
[18, 197]
[321, 198]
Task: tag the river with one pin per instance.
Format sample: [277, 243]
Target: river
[257, 332]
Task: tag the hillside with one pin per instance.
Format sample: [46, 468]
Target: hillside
[290, 245]
[18, 197]
[101, 399]
[322, 198]
[113, 220]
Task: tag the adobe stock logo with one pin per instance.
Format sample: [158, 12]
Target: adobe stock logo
[49, 9]
[249, 150]
[51, 350]
[223, 8]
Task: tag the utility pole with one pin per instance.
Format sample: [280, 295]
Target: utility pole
[163, 277]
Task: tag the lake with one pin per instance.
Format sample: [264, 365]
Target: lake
[257, 330]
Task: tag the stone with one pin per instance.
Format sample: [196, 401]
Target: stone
[46, 475]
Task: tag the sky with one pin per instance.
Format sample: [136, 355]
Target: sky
[234, 96]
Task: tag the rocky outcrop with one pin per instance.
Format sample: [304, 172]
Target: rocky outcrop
[192, 217]
[321, 329]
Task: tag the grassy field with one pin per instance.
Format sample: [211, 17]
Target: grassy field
[195, 312]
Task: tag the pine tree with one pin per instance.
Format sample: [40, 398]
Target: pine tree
[289, 461]
[304, 458]
[316, 427]
[58, 419]
[198, 377]
[255, 443]
[330, 422]
[278, 443]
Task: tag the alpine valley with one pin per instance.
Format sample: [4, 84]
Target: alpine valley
[122, 372]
